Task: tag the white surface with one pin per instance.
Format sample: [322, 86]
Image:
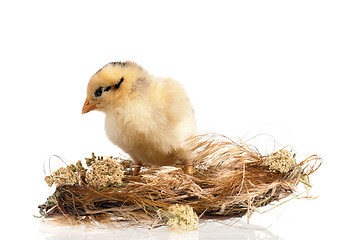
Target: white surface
[249, 66]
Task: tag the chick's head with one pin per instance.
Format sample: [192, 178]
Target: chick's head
[113, 85]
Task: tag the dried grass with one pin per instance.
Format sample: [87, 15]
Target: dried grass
[229, 180]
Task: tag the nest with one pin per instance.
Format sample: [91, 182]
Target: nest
[229, 180]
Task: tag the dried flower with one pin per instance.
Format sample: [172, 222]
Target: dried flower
[281, 161]
[182, 217]
[93, 159]
[104, 172]
[62, 176]
[49, 180]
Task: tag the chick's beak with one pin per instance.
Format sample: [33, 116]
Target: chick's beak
[88, 106]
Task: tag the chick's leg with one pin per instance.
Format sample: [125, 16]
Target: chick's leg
[187, 157]
[189, 166]
[136, 169]
[137, 166]
[189, 169]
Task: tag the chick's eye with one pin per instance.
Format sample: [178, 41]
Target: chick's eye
[98, 92]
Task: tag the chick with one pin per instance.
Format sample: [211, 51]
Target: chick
[149, 118]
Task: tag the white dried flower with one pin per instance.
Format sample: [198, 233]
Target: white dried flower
[62, 176]
[281, 161]
[182, 217]
[105, 172]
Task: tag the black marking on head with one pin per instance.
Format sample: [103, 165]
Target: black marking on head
[119, 63]
[107, 88]
[117, 85]
[98, 92]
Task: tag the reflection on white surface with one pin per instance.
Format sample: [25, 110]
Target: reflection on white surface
[229, 229]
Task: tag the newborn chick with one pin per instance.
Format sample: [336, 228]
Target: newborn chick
[147, 117]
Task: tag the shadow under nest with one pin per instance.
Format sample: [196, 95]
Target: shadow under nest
[229, 180]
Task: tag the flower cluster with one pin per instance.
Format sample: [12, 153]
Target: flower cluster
[182, 217]
[104, 172]
[281, 161]
[65, 175]
[100, 173]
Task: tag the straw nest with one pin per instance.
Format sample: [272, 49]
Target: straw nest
[230, 180]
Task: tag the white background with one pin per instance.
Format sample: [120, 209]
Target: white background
[250, 67]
